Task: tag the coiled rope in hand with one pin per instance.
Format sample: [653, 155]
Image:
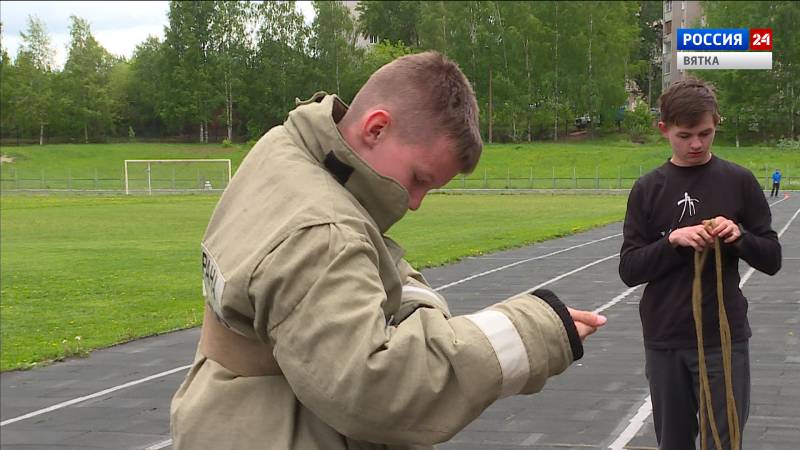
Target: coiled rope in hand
[706, 406]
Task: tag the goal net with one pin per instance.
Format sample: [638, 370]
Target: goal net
[176, 175]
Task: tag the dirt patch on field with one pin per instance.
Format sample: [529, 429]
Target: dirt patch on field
[6, 159]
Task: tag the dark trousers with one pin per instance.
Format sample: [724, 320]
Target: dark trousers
[673, 376]
[775, 187]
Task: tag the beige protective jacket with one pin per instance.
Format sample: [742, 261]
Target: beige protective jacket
[295, 259]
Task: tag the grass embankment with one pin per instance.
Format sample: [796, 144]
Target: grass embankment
[616, 163]
[83, 273]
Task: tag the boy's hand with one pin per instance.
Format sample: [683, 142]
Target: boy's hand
[695, 236]
[586, 322]
[725, 229]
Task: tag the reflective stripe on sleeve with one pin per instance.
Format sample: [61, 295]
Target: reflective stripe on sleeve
[417, 290]
[508, 347]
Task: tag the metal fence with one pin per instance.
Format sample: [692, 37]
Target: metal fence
[513, 180]
[42, 180]
[14, 179]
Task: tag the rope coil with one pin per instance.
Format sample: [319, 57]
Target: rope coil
[706, 406]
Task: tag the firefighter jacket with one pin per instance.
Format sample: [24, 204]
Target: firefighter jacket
[319, 335]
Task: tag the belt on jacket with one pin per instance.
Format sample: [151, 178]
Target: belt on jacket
[241, 355]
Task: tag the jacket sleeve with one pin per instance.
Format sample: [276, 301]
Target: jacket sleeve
[643, 259]
[319, 298]
[417, 293]
[759, 245]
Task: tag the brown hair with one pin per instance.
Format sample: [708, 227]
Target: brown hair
[428, 96]
[686, 102]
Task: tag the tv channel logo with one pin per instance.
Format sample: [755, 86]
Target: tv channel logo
[720, 39]
[724, 48]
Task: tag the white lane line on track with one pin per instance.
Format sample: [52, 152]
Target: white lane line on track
[637, 422]
[91, 396]
[497, 269]
[566, 274]
[616, 299]
[472, 277]
[785, 197]
[159, 445]
[177, 369]
[750, 271]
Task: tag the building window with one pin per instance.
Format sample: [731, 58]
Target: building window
[373, 39]
[666, 67]
[667, 28]
[668, 6]
[667, 47]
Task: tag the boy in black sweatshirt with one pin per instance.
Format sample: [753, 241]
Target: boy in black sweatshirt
[661, 232]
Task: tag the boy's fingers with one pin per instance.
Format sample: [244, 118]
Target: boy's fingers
[587, 317]
[584, 330]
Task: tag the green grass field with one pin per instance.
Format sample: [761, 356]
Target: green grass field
[79, 273]
[617, 163]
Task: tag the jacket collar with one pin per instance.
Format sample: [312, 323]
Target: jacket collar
[313, 124]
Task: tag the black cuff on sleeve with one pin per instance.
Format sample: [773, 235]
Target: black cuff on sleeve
[739, 244]
[561, 309]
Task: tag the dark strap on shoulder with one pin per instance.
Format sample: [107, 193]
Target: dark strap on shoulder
[242, 356]
[338, 169]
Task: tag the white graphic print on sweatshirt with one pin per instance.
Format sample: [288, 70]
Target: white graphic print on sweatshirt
[688, 203]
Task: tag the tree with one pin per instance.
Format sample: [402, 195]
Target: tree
[393, 21]
[334, 47]
[8, 118]
[760, 104]
[34, 66]
[648, 57]
[85, 91]
[229, 46]
[281, 67]
[188, 50]
[147, 89]
[121, 97]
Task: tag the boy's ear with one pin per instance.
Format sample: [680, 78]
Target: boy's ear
[374, 127]
[663, 128]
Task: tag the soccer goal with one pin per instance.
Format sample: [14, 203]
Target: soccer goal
[176, 175]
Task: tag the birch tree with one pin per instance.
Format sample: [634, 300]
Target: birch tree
[34, 67]
[334, 47]
[230, 42]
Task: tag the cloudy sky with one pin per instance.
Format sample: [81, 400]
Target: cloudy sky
[117, 25]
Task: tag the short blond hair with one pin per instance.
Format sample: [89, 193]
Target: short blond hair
[429, 96]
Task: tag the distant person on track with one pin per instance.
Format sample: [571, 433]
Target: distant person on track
[662, 229]
[317, 333]
[776, 183]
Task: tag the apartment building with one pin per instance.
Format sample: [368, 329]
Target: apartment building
[677, 14]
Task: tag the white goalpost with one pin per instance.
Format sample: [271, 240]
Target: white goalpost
[176, 175]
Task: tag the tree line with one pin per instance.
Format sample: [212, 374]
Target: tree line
[232, 70]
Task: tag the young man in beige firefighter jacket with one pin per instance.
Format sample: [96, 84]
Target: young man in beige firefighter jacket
[317, 333]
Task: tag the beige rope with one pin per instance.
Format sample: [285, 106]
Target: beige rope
[706, 406]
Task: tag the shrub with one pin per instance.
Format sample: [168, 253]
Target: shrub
[638, 123]
[789, 144]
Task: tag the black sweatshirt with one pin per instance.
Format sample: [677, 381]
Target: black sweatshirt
[672, 197]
